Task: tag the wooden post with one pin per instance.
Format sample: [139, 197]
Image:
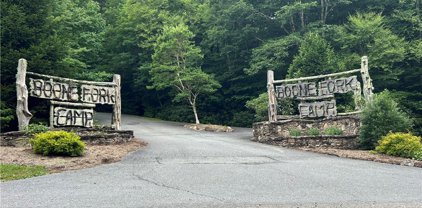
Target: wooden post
[366, 79]
[272, 101]
[51, 115]
[117, 108]
[24, 116]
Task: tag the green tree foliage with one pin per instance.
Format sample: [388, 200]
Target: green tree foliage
[6, 116]
[81, 27]
[238, 40]
[176, 62]
[366, 35]
[315, 57]
[379, 117]
[260, 106]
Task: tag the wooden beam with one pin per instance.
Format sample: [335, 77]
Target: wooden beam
[349, 113]
[316, 97]
[22, 111]
[72, 80]
[287, 117]
[317, 77]
[59, 103]
[117, 107]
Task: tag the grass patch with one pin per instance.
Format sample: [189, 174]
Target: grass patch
[10, 172]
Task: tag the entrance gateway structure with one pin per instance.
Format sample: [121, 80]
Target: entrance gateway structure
[317, 109]
[72, 102]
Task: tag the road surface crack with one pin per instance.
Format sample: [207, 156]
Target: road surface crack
[174, 188]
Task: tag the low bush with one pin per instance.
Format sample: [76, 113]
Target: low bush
[295, 132]
[313, 132]
[333, 131]
[57, 143]
[379, 117]
[32, 129]
[401, 144]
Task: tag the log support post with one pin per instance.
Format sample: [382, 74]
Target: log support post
[117, 108]
[22, 111]
[272, 101]
[366, 79]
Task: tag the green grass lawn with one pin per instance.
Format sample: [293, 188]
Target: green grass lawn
[10, 172]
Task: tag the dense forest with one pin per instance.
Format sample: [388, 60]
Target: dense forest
[224, 46]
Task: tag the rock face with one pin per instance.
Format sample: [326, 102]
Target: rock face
[278, 132]
[93, 136]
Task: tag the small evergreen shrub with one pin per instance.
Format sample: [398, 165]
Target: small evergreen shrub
[57, 143]
[379, 117]
[295, 132]
[32, 129]
[401, 144]
[313, 132]
[332, 130]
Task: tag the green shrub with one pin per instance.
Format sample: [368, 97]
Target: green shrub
[295, 132]
[380, 117]
[332, 130]
[260, 106]
[32, 129]
[57, 143]
[401, 144]
[313, 132]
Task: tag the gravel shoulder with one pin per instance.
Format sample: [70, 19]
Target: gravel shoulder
[94, 155]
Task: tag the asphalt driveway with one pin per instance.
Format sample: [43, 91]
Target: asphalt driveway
[185, 168]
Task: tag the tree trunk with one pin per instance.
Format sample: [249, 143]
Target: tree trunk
[302, 17]
[195, 113]
[22, 111]
[292, 22]
[322, 11]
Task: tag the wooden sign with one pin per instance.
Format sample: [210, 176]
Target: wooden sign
[323, 87]
[98, 94]
[53, 90]
[318, 109]
[65, 92]
[73, 117]
[310, 89]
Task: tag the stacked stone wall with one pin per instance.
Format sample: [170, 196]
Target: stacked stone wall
[278, 132]
[103, 136]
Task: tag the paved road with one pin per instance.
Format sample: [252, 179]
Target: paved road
[185, 168]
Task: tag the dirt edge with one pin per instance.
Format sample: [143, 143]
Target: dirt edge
[94, 155]
[365, 155]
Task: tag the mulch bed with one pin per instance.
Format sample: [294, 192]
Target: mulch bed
[94, 155]
[365, 155]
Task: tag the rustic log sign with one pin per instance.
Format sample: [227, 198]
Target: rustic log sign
[73, 117]
[81, 95]
[324, 87]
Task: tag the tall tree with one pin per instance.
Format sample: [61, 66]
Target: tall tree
[176, 63]
[366, 35]
[315, 57]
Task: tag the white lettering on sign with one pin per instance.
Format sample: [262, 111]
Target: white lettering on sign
[318, 109]
[341, 85]
[309, 89]
[98, 94]
[73, 117]
[297, 90]
[53, 90]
